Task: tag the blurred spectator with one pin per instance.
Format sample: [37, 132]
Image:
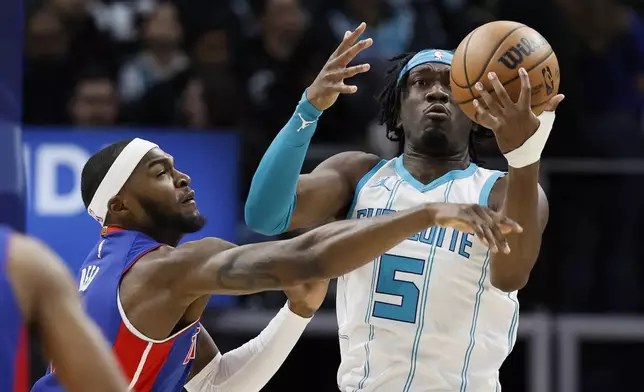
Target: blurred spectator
[161, 57]
[261, 59]
[390, 25]
[95, 101]
[118, 18]
[88, 45]
[61, 41]
[46, 74]
[212, 58]
[191, 99]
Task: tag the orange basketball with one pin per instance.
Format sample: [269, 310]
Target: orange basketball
[503, 47]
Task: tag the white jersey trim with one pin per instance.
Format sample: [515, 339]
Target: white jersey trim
[488, 186]
[139, 368]
[362, 183]
[140, 335]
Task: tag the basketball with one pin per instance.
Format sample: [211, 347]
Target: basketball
[503, 47]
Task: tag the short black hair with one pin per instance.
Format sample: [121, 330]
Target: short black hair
[97, 167]
[390, 98]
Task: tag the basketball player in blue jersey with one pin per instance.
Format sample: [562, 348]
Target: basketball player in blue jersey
[439, 311]
[37, 290]
[147, 293]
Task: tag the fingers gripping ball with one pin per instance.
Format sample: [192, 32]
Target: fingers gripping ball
[503, 47]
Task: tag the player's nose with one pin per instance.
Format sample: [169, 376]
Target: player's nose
[183, 180]
[437, 93]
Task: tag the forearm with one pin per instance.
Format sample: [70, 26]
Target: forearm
[341, 247]
[249, 367]
[271, 199]
[521, 204]
[323, 253]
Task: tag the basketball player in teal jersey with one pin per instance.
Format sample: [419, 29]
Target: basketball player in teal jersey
[439, 311]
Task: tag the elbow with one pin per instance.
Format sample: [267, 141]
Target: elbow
[258, 220]
[509, 283]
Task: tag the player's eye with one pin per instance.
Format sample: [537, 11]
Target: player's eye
[162, 172]
[420, 82]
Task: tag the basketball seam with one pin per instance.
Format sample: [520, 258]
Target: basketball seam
[451, 75]
[552, 52]
[497, 48]
[467, 79]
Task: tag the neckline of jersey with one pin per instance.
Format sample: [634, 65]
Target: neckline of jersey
[107, 230]
[445, 178]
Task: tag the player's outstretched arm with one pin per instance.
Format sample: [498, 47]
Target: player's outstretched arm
[49, 300]
[329, 251]
[276, 202]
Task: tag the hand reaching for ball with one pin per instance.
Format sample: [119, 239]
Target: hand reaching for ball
[512, 122]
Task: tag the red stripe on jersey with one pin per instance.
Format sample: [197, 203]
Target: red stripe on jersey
[21, 366]
[138, 360]
[129, 350]
[154, 363]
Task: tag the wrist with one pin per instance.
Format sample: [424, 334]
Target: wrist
[529, 152]
[524, 174]
[307, 107]
[302, 310]
[430, 211]
[513, 140]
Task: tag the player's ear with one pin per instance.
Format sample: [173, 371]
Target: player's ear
[116, 206]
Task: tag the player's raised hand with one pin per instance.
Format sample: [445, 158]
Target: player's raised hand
[512, 122]
[489, 226]
[329, 83]
[306, 299]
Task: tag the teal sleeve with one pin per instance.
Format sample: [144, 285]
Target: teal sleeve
[272, 196]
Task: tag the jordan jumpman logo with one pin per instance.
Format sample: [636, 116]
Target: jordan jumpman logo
[304, 123]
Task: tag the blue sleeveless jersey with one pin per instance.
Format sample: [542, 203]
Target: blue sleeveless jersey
[14, 357]
[149, 365]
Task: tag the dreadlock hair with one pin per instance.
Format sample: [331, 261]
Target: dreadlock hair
[389, 100]
[97, 167]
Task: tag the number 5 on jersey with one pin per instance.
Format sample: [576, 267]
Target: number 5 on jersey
[408, 292]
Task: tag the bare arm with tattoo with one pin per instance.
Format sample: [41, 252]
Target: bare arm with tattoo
[326, 252]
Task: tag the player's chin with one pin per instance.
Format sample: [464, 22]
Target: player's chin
[435, 140]
[193, 222]
[433, 131]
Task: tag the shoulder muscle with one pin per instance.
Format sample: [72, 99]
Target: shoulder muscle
[327, 191]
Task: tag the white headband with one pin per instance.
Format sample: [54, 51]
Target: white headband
[117, 175]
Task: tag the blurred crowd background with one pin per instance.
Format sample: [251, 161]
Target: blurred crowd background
[206, 66]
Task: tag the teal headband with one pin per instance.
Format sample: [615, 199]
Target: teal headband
[439, 56]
